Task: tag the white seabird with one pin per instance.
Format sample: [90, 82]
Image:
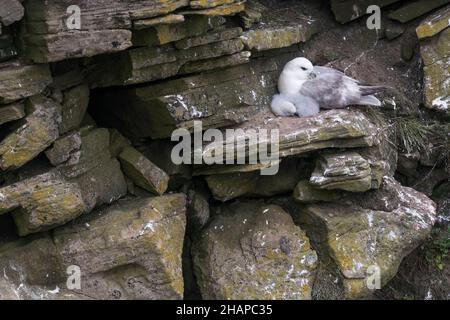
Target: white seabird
[305, 87]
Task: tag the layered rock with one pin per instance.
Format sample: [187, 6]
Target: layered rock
[346, 171]
[156, 110]
[330, 129]
[39, 130]
[436, 56]
[371, 233]
[348, 10]
[18, 81]
[144, 237]
[253, 251]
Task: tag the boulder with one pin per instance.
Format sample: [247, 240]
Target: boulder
[141, 258]
[370, 233]
[38, 131]
[253, 251]
[130, 250]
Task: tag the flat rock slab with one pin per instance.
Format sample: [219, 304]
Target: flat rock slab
[253, 251]
[328, 129]
[19, 81]
[280, 28]
[434, 24]
[415, 9]
[218, 98]
[150, 63]
[78, 44]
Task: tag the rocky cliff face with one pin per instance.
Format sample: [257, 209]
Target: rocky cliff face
[90, 96]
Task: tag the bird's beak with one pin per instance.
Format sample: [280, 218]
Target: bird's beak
[312, 76]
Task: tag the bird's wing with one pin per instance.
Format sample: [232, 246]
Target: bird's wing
[325, 71]
[331, 90]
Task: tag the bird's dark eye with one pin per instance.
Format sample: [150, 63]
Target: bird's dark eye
[304, 69]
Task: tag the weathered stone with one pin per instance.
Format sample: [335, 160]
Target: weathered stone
[143, 172]
[117, 143]
[221, 10]
[201, 4]
[434, 24]
[11, 11]
[216, 63]
[22, 81]
[42, 202]
[93, 149]
[253, 251]
[330, 129]
[74, 106]
[253, 13]
[163, 34]
[436, 56]
[65, 149]
[131, 265]
[147, 23]
[211, 37]
[102, 184]
[11, 112]
[146, 64]
[157, 110]
[346, 171]
[141, 258]
[39, 130]
[251, 184]
[415, 9]
[349, 10]
[278, 29]
[67, 45]
[198, 211]
[160, 153]
[376, 229]
[304, 192]
[50, 16]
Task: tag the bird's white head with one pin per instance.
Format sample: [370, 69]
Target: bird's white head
[300, 68]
